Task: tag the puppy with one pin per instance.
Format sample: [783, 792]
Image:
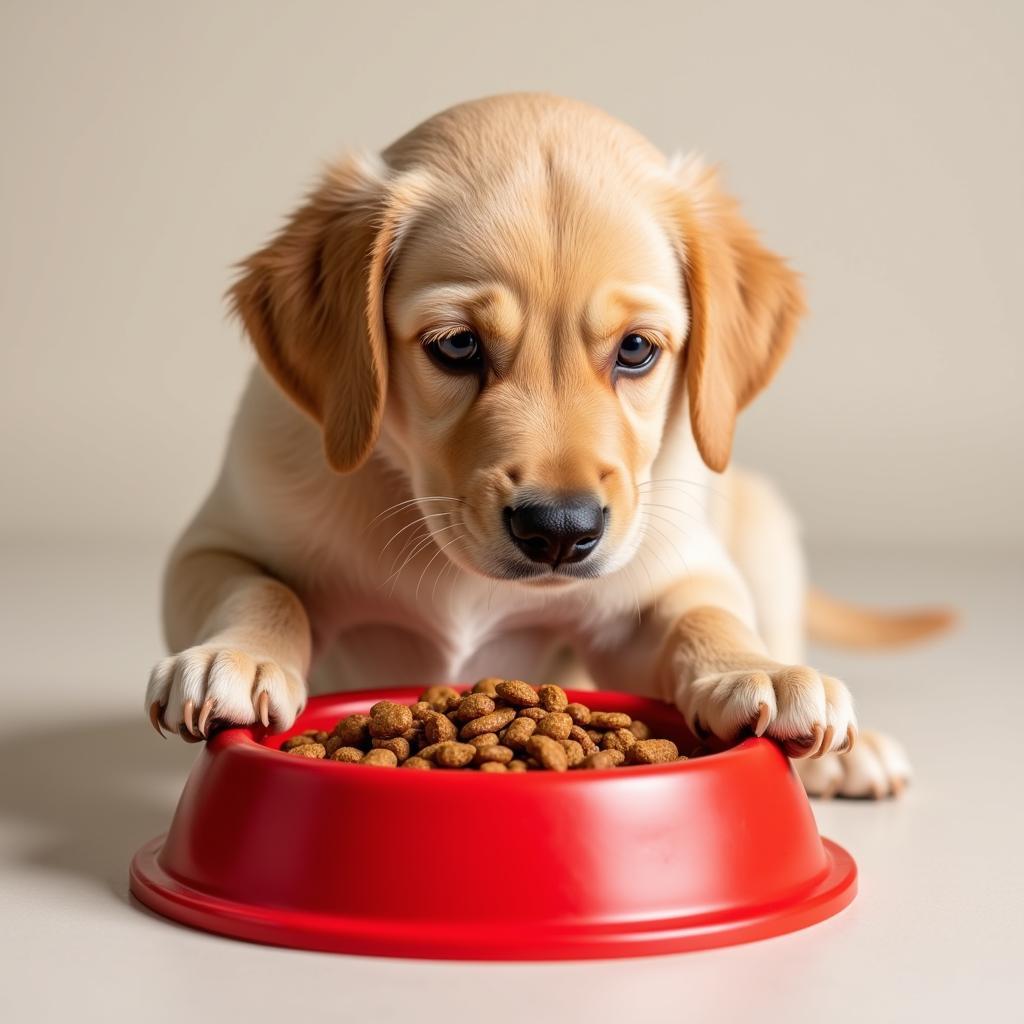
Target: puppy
[499, 373]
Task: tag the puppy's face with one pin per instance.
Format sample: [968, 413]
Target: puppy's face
[513, 303]
[534, 339]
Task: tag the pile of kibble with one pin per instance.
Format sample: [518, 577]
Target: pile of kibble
[501, 725]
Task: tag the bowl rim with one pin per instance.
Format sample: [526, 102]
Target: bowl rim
[249, 741]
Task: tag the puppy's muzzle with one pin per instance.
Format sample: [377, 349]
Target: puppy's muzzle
[558, 532]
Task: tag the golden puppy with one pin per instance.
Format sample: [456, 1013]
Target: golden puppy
[500, 372]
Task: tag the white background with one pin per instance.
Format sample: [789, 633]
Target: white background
[147, 147]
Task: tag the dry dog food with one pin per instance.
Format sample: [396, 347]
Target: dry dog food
[500, 726]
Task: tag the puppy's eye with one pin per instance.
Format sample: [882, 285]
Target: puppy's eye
[457, 352]
[636, 353]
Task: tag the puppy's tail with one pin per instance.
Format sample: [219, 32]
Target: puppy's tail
[836, 623]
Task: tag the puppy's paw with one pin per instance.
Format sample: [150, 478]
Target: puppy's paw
[808, 713]
[210, 685]
[875, 768]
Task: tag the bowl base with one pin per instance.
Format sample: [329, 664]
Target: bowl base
[157, 890]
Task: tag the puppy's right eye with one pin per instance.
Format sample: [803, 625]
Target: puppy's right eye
[458, 353]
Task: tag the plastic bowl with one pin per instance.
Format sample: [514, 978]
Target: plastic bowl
[271, 848]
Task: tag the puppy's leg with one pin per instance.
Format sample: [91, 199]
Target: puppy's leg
[694, 650]
[244, 647]
[763, 539]
[725, 684]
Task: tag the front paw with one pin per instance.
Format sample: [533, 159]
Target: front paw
[808, 713]
[211, 685]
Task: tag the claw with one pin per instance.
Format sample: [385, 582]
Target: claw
[794, 748]
[187, 736]
[764, 715]
[187, 713]
[154, 717]
[263, 708]
[826, 742]
[851, 739]
[897, 786]
[204, 716]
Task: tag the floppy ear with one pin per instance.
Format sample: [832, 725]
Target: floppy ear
[312, 303]
[744, 307]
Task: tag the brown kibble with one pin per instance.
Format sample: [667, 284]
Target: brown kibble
[548, 752]
[579, 713]
[573, 752]
[353, 730]
[487, 686]
[617, 739]
[583, 738]
[653, 752]
[557, 725]
[552, 698]
[517, 693]
[493, 722]
[388, 719]
[474, 705]
[502, 725]
[454, 755]
[438, 728]
[609, 720]
[347, 755]
[494, 752]
[296, 741]
[312, 750]
[534, 714]
[420, 710]
[439, 697]
[518, 733]
[418, 762]
[398, 746]
[601, 760]
[381, 758]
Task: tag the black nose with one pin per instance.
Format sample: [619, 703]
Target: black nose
[557, 533]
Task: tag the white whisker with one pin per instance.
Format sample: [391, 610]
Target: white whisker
[439, 551]
[409, 526]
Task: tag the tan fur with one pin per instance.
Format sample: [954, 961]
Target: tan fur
[356, 536]
[745, 304]
[312, 303]
[842, 624]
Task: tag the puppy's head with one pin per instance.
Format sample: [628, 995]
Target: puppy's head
[515, 305]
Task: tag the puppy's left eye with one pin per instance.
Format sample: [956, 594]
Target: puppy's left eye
[456, 352]
[636, 353]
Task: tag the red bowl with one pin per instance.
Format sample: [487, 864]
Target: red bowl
[713, 851]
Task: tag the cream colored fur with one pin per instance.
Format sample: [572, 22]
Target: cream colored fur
[353, 537]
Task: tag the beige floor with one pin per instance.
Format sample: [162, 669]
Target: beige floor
[935, 933]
